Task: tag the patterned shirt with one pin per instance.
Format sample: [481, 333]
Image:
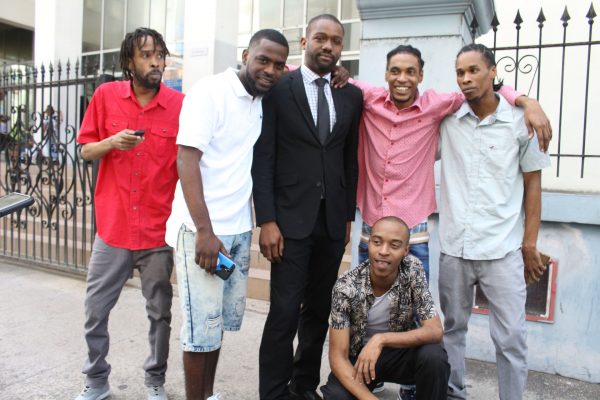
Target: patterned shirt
[353, 297]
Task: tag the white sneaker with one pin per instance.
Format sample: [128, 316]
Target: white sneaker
[90, 393]
[157, 393]
[215, 396]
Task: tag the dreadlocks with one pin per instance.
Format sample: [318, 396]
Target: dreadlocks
[138, 38]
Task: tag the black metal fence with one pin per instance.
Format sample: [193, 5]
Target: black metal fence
[565, 85]
[41, 110]
[40, 113]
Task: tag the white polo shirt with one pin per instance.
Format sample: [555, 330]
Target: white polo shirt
[222, 120]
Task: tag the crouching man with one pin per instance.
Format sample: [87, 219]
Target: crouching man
[373, 337]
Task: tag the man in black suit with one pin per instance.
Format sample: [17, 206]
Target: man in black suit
[305, 174]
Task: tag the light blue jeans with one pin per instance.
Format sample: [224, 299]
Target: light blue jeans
[209, 304]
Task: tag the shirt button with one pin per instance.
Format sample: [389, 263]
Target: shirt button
[134, 208]
[319, 184]
[136, 173]
[134, 190]
[387, 180]
[385, 198]
[395, 125]
[419, 120]
[388, 162]
[138, 153]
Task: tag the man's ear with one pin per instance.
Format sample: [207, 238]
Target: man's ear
[245, 56]
[303, 43]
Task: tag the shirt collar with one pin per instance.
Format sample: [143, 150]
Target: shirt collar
[416, 103]
[160, 98]
[503, 111]
[236, 83]
[403, 267]
[308, 76]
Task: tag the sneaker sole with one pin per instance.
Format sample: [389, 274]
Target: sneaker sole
[104, 395]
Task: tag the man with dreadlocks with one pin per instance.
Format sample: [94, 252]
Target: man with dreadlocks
[490, 206]
[131, 126]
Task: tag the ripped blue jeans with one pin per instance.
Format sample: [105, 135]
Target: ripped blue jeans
[209, 304]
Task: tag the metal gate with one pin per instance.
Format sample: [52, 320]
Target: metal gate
[564, 86]
[40, 113]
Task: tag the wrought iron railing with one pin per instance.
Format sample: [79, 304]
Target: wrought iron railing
[568, 63]
[40, 113]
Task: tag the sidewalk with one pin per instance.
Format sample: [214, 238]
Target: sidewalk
[42, 347]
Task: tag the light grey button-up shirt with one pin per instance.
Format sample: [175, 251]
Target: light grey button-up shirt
[481, 207]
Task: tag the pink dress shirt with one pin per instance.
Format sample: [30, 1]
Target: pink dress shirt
[397, 150]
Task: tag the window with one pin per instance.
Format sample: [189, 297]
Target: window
[293, 13]
[269, 13]
[112, 26]
[105, 23]
[290, 17]
[317, 7]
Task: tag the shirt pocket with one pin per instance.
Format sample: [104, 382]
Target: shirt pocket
[162, 143]
[499, 157]
[112, 126]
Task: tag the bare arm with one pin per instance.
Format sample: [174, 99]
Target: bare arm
[207, 243]
[124, 140]
[534, 268]
[536, 120]
[430, 331]
[339, 345]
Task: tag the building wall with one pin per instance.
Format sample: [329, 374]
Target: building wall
[569, 346]
[20, 14]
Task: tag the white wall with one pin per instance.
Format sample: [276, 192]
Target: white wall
[21, 13]
[58, 27]
[210, 38]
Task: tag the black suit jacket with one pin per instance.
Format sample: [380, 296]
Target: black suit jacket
[292, 169]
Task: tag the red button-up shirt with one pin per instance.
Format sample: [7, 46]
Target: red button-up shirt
[135, 188]
[396, 152]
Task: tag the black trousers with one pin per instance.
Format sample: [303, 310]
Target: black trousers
[426, 366]
[301, 287]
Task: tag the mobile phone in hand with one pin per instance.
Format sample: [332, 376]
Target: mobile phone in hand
[225, 267]
[139, 132]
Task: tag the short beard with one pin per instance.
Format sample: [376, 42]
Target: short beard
[146, 83]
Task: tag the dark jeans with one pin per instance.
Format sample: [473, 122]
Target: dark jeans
[426, 366]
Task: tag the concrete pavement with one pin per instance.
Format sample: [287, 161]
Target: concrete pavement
[42, 347]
